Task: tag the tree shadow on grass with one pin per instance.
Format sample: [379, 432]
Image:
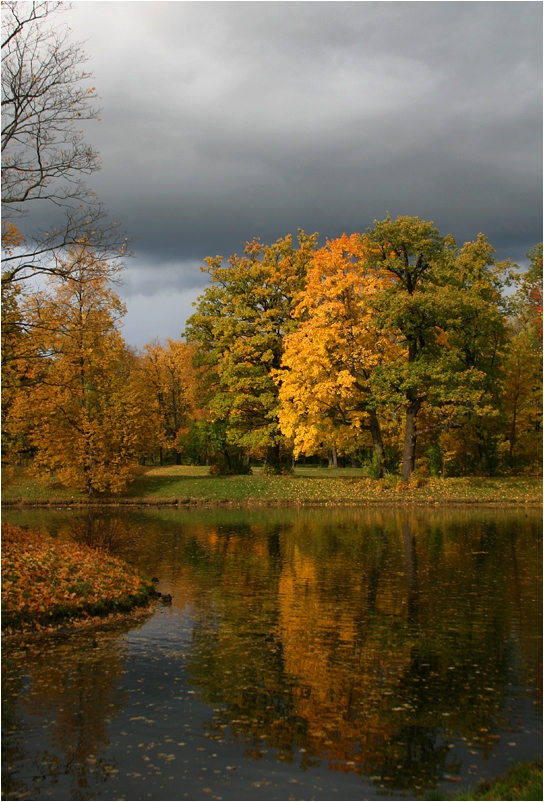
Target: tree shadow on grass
[144, 486]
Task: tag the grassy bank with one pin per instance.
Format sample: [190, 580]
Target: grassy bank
[193, 485]
[46, 582]
[522, 782]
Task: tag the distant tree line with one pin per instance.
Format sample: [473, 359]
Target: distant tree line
[394, 350]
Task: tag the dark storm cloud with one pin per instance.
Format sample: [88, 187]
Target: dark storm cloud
[225, 121]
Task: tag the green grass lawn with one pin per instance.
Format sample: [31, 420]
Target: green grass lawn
[521, 782]
[192, 484]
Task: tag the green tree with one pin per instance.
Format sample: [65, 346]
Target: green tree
[522, 399]
[239, 329]
[443, 308]
[477, 334]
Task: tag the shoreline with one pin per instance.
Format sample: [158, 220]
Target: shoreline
[254, 502]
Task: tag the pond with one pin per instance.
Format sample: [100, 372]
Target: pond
[313, 653]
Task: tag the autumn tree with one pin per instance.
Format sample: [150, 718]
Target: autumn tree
[325, 381]
[239, 329]
[167, 371]
[522, 386]
[442, 307]
[79, 415]
[528, 299]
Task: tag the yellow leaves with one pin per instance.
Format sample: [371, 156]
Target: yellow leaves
[328, 360]
[77, 414]
[11, 237]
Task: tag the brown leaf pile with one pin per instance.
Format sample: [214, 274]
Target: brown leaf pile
[44, 580]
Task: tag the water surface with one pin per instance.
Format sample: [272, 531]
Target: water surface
[307, 654]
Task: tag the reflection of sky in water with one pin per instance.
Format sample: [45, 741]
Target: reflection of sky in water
[294, 645]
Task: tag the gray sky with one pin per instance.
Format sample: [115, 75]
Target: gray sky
[222, 121]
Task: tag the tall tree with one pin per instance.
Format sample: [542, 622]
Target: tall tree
[523, 369]
[476, 333]
[239, 327]
[415, 256]
[325, 390]
[80, 416]
[442, 307]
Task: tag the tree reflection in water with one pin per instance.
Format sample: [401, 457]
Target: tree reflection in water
[71, 684]
[361, 640]
[380, 648]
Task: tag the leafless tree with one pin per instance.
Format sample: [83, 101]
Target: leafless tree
[45, 99]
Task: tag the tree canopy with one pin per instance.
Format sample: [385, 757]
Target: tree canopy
[239, 329]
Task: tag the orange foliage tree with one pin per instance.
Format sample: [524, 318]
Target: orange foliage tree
[79, 415]
[167, 373]
[325, 389]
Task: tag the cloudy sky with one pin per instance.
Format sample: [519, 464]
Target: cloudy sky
[222, 121]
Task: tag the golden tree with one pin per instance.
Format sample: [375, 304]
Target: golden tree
[80, 415]
[325, 390]
[167, 373]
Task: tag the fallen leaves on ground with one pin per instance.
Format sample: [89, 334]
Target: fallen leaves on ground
[44, 580]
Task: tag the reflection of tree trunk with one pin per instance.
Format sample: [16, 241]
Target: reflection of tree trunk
[410, 562]
[374, 580]
[274, 546]
[517, 584]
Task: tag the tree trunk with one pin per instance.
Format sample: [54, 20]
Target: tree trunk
[377, 441]
[482, 451]
[333, 458]
[410, 440]
[273, 456]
